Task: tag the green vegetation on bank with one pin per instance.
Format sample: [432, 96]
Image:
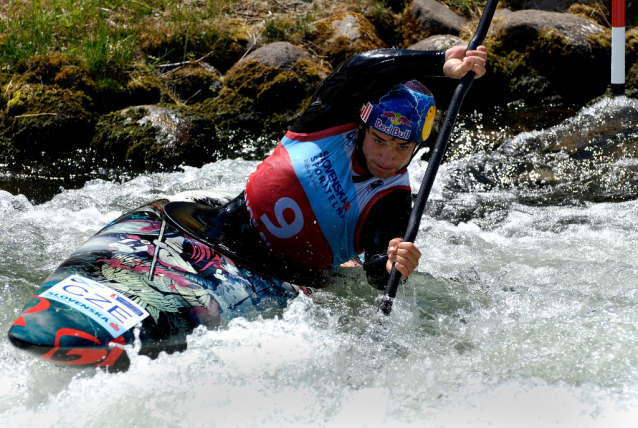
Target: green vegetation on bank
[110, 37]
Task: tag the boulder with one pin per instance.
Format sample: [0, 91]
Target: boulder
[600, 11]
[155, 137]
[518, 30]
[281, 55]
[44, 122]
[439, 42]
[631, 62]
[547, 55]
[113, 95]
[263, 94]
[344, 35]
[429, 17]
[192, 82]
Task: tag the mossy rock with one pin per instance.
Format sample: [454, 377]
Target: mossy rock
[598, 10]
[575, 75]
[387, 22]
[155, 138]
[144, 89]
[192, 83]
[263, 94]
[631, 82]
[424, 18]
[223, 45]
[46, 122]
[55, 69]
[344, 35]
[110, 94]
[544, 56]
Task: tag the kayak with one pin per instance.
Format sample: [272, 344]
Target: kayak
[142, 281]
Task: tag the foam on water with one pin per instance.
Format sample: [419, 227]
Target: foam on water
[529, 320]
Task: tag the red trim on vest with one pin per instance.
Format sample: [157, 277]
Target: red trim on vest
[366, 211]
[330, 132]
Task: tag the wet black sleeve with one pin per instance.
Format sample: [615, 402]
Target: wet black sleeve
[388, 219]
[363, 77]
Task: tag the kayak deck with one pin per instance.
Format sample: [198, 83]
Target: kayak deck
[178, 281]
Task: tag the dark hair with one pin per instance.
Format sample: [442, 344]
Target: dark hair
[363, 127]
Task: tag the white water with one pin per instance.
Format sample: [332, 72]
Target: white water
[530, 322]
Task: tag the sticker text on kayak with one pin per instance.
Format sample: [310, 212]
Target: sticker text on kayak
[114, 311]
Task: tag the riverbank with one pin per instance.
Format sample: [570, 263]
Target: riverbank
[120, 86]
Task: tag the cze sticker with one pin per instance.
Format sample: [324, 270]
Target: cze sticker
[115, 312]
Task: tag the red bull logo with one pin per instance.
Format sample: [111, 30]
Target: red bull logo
[392, 130]
[396, 119]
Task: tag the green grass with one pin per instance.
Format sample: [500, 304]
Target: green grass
[112, 37]
[107, 36]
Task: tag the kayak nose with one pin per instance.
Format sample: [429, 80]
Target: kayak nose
[61, 335]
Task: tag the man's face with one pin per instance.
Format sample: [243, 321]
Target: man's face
[385, 155]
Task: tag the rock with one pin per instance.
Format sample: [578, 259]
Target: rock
[517, 30]
[281, 55]
[144, 89]
[263, 94]
[46, 122]
[548, 55]
[154, 137]
[192, 83]
[112, 95]
[425, 18]
[600, 11]
[439, 42]
[344, 35]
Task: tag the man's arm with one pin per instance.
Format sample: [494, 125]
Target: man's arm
[362, 77]
[387, 220]
[368, 75]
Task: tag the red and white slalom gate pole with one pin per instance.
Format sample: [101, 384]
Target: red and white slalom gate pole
[618, 47]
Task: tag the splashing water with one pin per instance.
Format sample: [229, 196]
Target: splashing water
[523, 313]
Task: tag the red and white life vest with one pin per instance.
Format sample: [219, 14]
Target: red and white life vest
[304, 202]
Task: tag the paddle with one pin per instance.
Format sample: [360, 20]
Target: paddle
[437, 154]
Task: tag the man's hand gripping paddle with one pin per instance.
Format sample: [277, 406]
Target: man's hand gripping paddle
[437, 154]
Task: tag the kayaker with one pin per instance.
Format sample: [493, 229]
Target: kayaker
[337, 183]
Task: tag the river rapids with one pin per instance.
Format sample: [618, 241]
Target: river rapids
[524, 312]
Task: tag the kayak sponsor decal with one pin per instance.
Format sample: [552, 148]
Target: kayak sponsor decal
[42, 305]
[115, 312]
[85, 355]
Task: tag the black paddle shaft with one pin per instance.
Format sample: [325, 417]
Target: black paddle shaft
[437, 154]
